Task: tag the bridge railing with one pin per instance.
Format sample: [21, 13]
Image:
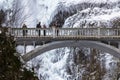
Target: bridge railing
[31, 32]
[66, 32]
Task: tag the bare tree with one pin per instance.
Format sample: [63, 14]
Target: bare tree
[2, 16]
[16, 16]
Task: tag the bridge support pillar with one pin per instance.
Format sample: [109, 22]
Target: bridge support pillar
[108, 42]
[24, 47]
[43, 42]
[98, 32]
[34, 44]
[119, 45]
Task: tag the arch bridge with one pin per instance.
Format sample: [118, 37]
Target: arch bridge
[105, 39]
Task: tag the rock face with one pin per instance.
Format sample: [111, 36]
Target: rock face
[99, 15]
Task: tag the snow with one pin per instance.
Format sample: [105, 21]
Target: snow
[53, 70]
[44, 10]
[114, 14]
[35, 10]
[74, 2]
[49, 6]
[96, 15]
[41, 11]
[6, 4]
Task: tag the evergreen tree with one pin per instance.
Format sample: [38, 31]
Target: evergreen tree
[10, 66]
[2, 16]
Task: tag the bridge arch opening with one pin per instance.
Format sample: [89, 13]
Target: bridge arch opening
[59, 44]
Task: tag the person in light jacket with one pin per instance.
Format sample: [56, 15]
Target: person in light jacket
[24, 30]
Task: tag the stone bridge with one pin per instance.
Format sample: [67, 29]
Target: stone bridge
[105, 39]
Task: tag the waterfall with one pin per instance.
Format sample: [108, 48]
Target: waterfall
[71, 66]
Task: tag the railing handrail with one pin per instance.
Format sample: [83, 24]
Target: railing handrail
[65, 32]
[71, 28]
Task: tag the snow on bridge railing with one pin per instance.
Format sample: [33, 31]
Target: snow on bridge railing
[66, 32]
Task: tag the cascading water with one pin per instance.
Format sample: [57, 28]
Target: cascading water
[72, 63]
[88, 14]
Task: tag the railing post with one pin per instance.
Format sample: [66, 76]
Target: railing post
[119, 45]
[78, 32]
[0, 30]
[54, 31]
[108, 32]
[98, 32]
[117, 32]
[24, 47]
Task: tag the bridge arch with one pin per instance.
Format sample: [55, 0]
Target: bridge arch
[59, 44]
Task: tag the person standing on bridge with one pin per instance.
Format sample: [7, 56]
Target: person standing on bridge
[38, 28]
[44, 31]
[57, 31]
[24, 30]
[56, 28]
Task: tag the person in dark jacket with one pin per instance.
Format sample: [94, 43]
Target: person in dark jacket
[24, 30]
[44, 26]
[38, 27]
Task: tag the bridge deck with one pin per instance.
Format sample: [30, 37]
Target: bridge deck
[31, 35]
[67, 37]
[40, 40]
